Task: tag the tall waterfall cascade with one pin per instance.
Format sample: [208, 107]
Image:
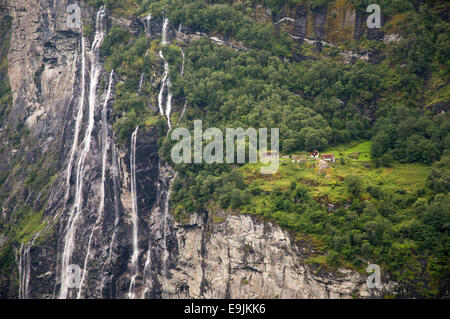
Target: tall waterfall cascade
[77, 209]
[165, 105]
[101, 207]
[134, 217]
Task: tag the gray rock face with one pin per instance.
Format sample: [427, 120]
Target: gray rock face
[90, 203]
[336, 22]
[241, 257]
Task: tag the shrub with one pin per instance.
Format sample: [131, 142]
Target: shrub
[387, 160]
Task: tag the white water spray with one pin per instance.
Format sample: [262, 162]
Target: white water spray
[165, 83]
[182, 63]
[164, 32]
[79, 118]
[116, 177]
[77, 208]
[181, 74]
[141, 81]
[101, 207]
[24, 270]
[147, 25]
[25, 257]
[166, 230]
[182, 113]
[134, 216]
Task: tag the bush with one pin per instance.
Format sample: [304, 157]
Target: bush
[115, 36]
[354, 185]
[333, 259]
[387, 160]
[125, 126]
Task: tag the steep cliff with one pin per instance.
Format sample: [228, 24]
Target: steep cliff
[104, 207]
[335, 22]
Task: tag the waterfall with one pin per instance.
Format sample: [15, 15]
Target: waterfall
[166, 229]
[77, 207]
[149, 35]
[182, 113]
[79, 118]
[148, 262]
[25, 257]
[101, 207]
[141, 80]
[169, 106]
[24, 270]
[165, 83]
[115, 177]
[147, 25]
[182, 63]
[25, 267]
[134, 216]
[181, 74]
[160, 212]
[161, 209]
[164, 32]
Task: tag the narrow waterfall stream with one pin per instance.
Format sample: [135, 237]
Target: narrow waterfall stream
[76, 211]
[147, 25]
[134, 217]
[149, 35]
[24, 270]
[114, 170]
[182, 112]
[166, 228]
[182, 63]
[165, 107]
[101, 207]
[24, 265]
[141, 80]
[79, 118]
[181, 74]
[158, 241]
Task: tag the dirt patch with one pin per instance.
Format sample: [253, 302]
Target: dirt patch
[251, 176]
[309, 182]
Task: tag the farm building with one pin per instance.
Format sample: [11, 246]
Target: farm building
[314, 154]
[328, 158]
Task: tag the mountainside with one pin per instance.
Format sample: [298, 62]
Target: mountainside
[88, 186]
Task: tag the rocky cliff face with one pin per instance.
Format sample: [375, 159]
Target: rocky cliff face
[235, 256]
[335, 23]
[105, 208]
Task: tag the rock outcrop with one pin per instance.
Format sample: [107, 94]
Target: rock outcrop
[236, 256]
[336, 22]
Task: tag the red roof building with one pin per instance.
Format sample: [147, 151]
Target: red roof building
[328, 157]
[314, 154]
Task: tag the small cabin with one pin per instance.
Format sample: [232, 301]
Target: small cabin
[314, 154]
[328, 158]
